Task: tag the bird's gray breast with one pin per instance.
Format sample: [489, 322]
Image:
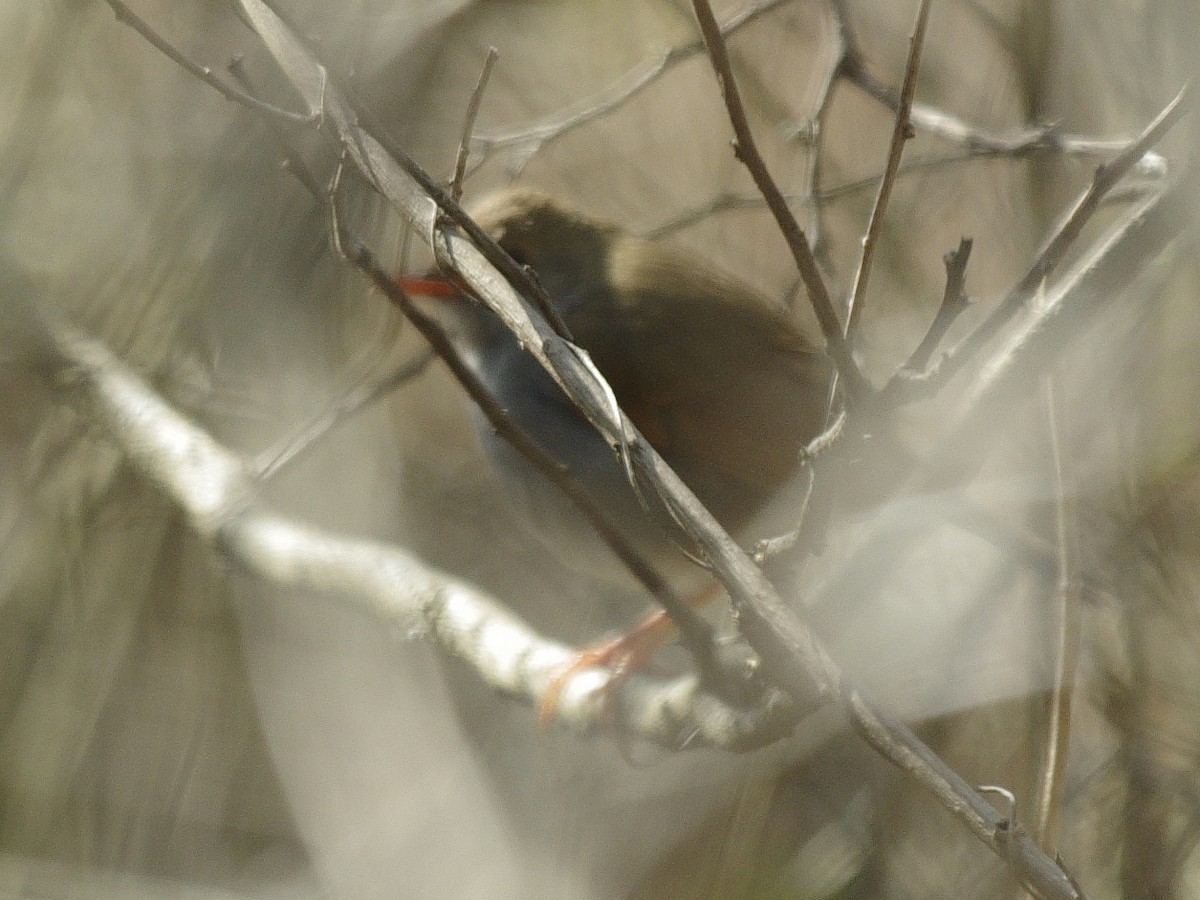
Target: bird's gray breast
[536, 405]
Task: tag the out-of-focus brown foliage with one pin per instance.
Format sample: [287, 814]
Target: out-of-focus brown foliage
[165, 721]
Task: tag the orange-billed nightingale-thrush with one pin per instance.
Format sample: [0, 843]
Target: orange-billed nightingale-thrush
[720, 379]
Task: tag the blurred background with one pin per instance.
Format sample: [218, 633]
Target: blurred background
[172, 727]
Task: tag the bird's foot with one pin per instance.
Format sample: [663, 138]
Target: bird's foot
[623, 655]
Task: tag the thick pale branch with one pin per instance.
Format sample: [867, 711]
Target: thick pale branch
[218, 495]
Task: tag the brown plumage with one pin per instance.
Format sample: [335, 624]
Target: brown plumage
[720, 379]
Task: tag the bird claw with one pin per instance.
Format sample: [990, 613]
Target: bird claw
[623, 656]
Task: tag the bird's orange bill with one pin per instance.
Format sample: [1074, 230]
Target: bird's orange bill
[428, 286]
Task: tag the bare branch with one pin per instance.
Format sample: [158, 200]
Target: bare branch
[1035, 870]
[954, 303]
[900, 134]
[354, 401]
[978, 141]
[534, 138]
[1064, 649]
[460, 161]
[204, 73]
[217, 494]
[1056, 247]
[789, 651]
[747, 153]
[791, 655]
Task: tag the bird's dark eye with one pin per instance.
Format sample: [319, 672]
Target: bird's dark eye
[518, 257]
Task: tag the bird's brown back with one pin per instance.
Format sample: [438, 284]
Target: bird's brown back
[721, 380]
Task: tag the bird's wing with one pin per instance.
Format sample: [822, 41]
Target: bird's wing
[722, 382]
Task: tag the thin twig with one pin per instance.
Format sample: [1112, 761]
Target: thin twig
[534, 138]
[733, 202]
[268, 463]
[901, 132]
[954, 303]
[747, 153]
[464, 144]
[809, 131]
[978, 141]
[773, 546]
[204, 73]
[1051, 784]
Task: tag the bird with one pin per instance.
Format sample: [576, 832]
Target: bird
[720, 379]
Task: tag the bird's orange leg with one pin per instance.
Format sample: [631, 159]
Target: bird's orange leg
[625, 654]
